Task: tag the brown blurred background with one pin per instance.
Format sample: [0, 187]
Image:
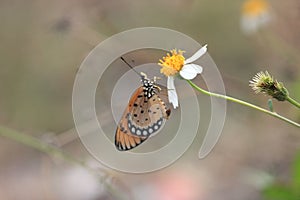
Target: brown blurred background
[42, 46]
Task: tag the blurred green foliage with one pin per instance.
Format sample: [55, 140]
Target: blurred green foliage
[286, 191]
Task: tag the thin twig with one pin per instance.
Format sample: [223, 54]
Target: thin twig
[55, 152]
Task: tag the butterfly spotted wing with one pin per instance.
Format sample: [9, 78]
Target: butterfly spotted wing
[144, 116]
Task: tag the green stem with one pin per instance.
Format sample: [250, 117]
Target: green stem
[55, 152]
[293, 101]
[274, 114]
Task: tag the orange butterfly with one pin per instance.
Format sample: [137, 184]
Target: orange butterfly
[144, 116]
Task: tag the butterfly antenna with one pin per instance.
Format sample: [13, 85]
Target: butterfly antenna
[130, 66]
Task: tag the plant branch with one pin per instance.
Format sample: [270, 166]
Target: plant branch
[274, 114]
[293, 101]
[55, 152]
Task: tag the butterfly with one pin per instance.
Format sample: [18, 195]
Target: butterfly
[144, 116]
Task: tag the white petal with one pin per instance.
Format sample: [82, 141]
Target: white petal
[172, 95]
[188, 72]
[251, 24]
[173, 98]
[170, 83]
[197, 55]
[197, 68]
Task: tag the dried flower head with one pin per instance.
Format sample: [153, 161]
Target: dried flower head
[263, 82]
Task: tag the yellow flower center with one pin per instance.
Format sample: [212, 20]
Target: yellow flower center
[172, 64]
[255, 7]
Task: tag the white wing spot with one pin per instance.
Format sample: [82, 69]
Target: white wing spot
[150, 130]
[145, 132]
[155, 127]
[132, 129]
[138, 132]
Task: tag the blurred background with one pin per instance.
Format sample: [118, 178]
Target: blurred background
[44, 42]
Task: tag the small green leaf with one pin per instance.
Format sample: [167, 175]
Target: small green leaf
[270, 104]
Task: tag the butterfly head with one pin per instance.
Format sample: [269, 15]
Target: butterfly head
[149, 86]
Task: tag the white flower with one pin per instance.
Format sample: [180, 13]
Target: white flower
[255, 14]
[176, 63]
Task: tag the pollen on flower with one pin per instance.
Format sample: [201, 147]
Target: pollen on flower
[172, 64]
[255, 7]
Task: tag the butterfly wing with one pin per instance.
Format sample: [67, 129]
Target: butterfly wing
[163, 94]
[124, 140]
[148, 115]
[143, 117]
